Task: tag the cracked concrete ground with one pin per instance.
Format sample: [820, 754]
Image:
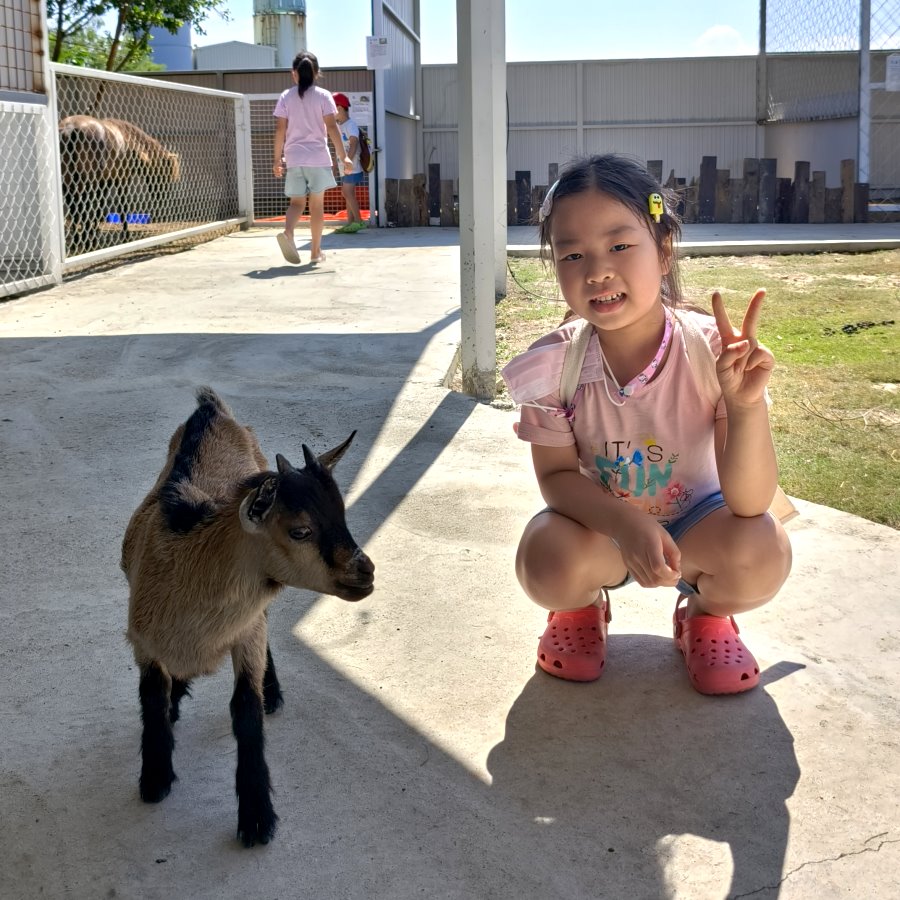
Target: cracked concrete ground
[419, 753]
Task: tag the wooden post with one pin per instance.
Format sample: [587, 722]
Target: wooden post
[767, 190]
[834, 199]
[800, 193]
[538, 192]
[678, 185]
[406, 203]
[723, 195]
[817, 198]
[706, 191]
[434, 193]
[512, 216]
[391, 200]
[690, 201]
[751, 190]
[523, 197]
[736, 197]
[848, 176]
[861, 202]
[654, 167]
[447, 216]
[783, 200]
[420, 200]
[552, 173]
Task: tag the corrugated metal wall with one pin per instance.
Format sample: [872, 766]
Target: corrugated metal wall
[268, 81]
[677, 110]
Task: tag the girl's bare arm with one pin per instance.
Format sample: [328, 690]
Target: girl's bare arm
[334, 133]
[745, 453]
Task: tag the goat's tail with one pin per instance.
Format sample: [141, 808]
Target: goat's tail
[184, 505]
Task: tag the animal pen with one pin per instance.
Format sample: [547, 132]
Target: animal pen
[113, 164]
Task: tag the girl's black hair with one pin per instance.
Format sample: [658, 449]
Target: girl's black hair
[306, 65]
[628, 182]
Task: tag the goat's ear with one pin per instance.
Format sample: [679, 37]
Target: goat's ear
[284, 467]
[257, 505]
[330, 458]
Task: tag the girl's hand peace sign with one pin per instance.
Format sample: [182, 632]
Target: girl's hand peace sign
[744, 365]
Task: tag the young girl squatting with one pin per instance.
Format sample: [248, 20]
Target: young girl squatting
[644, 480]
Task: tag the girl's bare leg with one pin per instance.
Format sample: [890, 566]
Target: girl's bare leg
[316, 222]
[736, 563]
[349, 192]
[295, 210]
[562, 565]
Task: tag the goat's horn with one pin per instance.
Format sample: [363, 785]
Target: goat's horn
[284, 467]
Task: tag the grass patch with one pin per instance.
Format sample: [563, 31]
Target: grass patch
[833, 323]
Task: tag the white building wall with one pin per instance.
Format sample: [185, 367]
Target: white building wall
[234, 55]
[674, 110]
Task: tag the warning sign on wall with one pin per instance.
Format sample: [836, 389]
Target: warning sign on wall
[892, 73]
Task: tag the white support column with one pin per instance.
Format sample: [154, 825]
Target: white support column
[55, 227]
[244, 158]
[379, 135]
[865, 92]
[481, 64]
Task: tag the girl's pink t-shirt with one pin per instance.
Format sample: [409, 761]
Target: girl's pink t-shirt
[305, 141]
[656, 451]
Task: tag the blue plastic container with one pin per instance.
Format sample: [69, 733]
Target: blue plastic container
[130, 218]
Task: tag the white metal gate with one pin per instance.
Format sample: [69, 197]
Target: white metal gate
[30, 255]
[145, 162]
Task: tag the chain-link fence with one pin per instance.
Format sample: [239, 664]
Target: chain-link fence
[883, 115]
[145, 161]
[827, 60]
[28, 207]
[269, 202]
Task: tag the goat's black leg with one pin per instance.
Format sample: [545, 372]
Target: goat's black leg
[157, 741]
[179, 689]
[272, 698]
[256, 817]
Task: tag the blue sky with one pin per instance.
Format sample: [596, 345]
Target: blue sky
[561, 29]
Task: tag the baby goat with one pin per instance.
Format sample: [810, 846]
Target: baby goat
[205, 553]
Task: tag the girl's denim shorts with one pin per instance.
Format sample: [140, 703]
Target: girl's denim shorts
[302, 180]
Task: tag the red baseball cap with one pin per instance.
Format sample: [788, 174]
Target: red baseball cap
[341, 100]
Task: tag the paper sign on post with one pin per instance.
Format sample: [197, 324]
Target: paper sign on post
[377, 56]
[892, 73]
[361, 108]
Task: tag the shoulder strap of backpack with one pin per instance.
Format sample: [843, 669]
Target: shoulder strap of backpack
[568, 382]
[700, 355]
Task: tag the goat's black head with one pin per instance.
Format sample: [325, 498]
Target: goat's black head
[299, 514]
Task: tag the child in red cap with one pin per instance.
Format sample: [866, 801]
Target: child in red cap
[350, 137]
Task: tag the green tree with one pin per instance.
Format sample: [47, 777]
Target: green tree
[72, 21]
[87, 47]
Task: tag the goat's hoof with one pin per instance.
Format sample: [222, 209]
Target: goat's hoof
[272, 700]
[258, 827]
[156, 786]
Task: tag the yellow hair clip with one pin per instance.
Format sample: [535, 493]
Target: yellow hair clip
[655, 202]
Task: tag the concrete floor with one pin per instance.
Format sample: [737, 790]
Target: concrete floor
[419, 753]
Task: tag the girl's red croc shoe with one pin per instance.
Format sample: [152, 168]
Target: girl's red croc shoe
[717, 660]
[573, 645]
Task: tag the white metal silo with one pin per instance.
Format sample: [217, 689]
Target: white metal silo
[280, 24]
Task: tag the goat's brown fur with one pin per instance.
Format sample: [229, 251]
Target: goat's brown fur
[206, 552]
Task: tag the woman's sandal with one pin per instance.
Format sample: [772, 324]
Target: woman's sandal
[573, 645]
[717, 660]
[288, 250]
